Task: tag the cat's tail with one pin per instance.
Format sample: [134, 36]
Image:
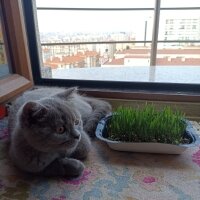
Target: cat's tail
[100, 109]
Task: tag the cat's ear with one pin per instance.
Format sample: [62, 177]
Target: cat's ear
[67, 93]
[33, 111]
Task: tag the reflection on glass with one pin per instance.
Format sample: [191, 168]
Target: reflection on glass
[4, 70]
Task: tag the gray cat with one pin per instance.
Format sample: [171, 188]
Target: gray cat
[49, 130]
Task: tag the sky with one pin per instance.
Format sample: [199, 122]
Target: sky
[116, 3]
[104, 21]
[93, 21]
[95, 3]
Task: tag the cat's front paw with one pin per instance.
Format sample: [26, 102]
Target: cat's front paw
[73, 167]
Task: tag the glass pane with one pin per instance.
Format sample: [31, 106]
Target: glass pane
[96, 3]
[180, 3]
[179, 25]
[4, 69]
[121, 38]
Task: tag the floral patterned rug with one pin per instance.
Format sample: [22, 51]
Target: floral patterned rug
[108, 175]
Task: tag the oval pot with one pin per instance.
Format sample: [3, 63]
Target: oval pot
[145, 147]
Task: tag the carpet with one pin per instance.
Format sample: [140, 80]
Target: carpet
[108, 175]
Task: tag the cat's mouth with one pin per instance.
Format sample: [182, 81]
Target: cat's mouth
[67, 142]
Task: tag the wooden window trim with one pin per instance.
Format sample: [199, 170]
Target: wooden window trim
[21, 79]
[12, 86]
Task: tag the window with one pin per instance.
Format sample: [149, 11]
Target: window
[15, 72]
[114, 44]
[88, 49]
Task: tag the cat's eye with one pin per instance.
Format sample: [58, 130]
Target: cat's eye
[60, 129]
[76, 122]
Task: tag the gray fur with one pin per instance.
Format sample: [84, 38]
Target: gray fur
[49, 130]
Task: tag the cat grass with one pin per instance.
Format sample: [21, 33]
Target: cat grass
[147, 125]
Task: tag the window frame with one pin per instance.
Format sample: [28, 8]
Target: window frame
[110, 89]
[17, 48]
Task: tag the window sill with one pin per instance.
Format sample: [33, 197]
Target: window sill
[187, 103]
[143, 95]
[12, 86]
[166, 83]
[155, 74]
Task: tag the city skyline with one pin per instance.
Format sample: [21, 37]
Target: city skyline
[67, 56]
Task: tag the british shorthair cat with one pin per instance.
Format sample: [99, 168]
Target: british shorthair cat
[49, 130]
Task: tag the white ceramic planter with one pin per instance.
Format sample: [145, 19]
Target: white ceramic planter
[144, 147]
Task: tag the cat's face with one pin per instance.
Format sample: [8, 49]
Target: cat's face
[50, 125]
